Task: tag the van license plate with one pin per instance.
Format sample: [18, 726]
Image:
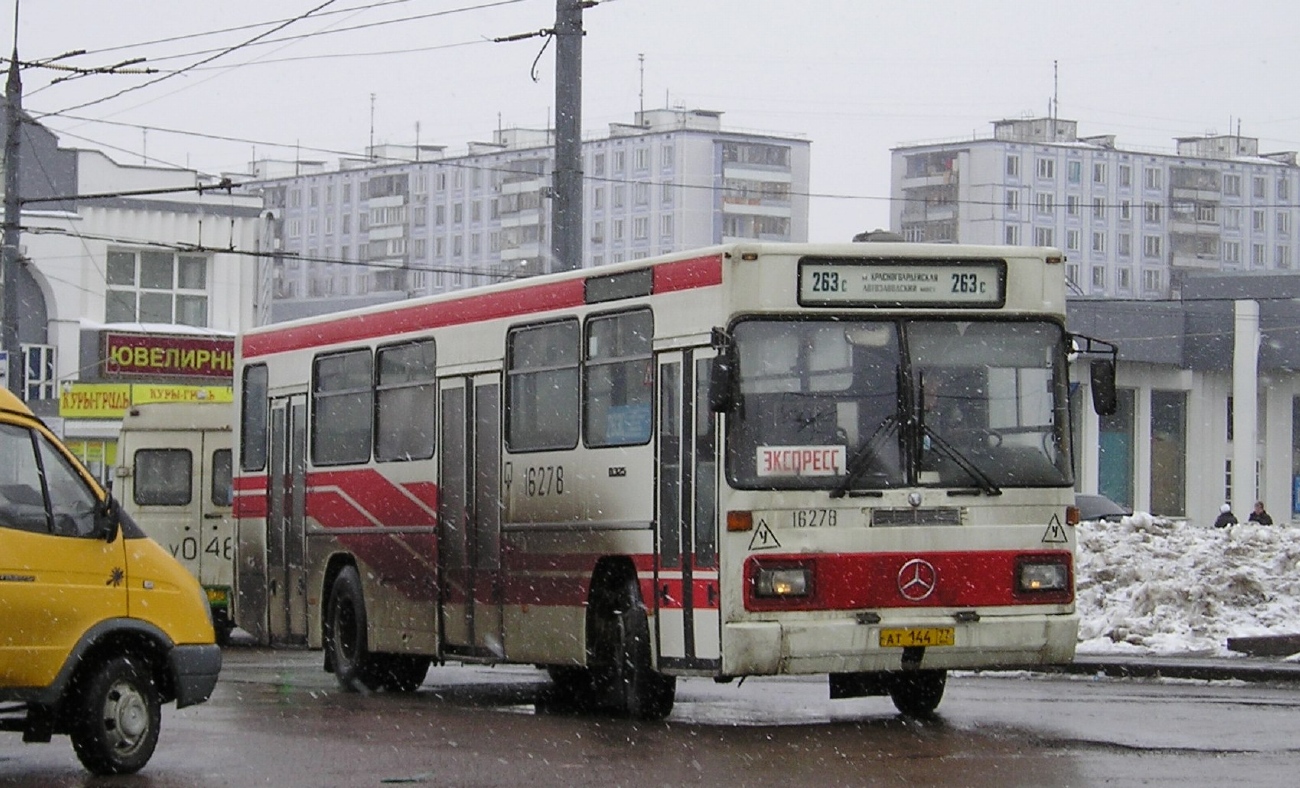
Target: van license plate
[925, 636]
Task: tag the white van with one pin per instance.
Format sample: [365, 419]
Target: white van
[173, 477]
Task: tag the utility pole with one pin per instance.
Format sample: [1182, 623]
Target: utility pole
[566, 201]
[12, 221]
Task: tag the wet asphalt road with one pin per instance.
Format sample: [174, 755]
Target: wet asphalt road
[276, 719]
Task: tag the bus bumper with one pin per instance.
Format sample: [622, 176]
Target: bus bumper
[768, 648]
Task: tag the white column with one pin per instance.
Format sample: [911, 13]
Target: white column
[1245, 394]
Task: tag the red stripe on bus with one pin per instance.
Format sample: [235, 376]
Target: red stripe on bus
[383, 500]
[249, 506]
[688, 274]
[877, 580]
[253, 483]
[668, 594]
[401, 320]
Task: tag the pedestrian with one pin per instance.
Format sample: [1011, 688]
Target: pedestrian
[1225, 518]
[1258, 515]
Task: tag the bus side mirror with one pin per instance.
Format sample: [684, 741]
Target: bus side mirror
[722, 383]
[1102, 374]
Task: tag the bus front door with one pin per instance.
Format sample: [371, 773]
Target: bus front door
[286, 587]
[686, 572]
[469, 517]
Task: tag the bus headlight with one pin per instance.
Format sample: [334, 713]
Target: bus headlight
[782, 582]
[1043, 576]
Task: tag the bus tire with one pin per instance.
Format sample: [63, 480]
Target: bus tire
[635, 689]
[347, 633]
[115, 714]
[916, 693]
[397, 672]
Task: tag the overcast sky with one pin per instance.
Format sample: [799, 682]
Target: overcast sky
[855, 77]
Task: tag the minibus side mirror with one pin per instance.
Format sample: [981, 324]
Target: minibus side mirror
[1102, 373]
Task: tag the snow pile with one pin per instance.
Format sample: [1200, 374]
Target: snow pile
[1151, 585]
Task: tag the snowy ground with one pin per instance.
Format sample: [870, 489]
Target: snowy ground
[1154, 586]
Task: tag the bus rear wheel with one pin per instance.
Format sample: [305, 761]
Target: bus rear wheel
[916, 693]
[355, 668]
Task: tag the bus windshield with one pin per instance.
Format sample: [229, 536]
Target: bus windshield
[849, 405]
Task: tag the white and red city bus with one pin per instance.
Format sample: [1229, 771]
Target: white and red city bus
[749, 460]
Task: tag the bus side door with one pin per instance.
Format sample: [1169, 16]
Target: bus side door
[469, 516]
[686, 595]
[286, 586]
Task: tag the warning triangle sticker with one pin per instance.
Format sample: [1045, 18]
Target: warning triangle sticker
[1055, 533]
[763, 538]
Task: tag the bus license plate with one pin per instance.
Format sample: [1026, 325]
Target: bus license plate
[928, 636]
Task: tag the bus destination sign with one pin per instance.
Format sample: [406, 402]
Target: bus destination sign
[902, 282]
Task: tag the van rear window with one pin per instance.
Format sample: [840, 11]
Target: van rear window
[163, 477]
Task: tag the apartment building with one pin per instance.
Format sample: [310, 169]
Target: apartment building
[1133, 224]
[416, 220]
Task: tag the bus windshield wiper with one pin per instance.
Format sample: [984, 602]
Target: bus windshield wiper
[984, 481]
[865, 455]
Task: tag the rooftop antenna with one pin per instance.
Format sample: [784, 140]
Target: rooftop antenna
[1056, 93]
[417, 140]
[372, 127]
[144, 147]
[641, 64]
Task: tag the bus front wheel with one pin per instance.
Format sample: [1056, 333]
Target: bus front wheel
[634, 688]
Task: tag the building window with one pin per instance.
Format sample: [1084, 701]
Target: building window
[1098, 277]
[1232, 252]
[1072, 276]
[1013, 200]
[641, 159]
[1071, 205]
[620, 161]
[1072, 240]
[1151, 246]
[1257, 220]
[1232, 218]
[1124, 245]
[1099, 173]
[1073, 171]
[598, 164]
[156, 287]
[1098, 208]
[1259, 187]
[1124, 278]
[1099, 243]
[1153, 179]
[1125, 176]
[1125, 210]
[1044, 236]
[666, 157]
[616, 229]
[39, 375]
[641, 193]
[1258, 255]
[1282, 257]
[619, 196]
[1283, 223]
[1012, 235]
[666, 226]
[666, 193]
[1231, 185]
[1283, 188]
[1151, 280]
[1047, 169]
[1045, 202]
[1013, 166]
[1151, 212]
